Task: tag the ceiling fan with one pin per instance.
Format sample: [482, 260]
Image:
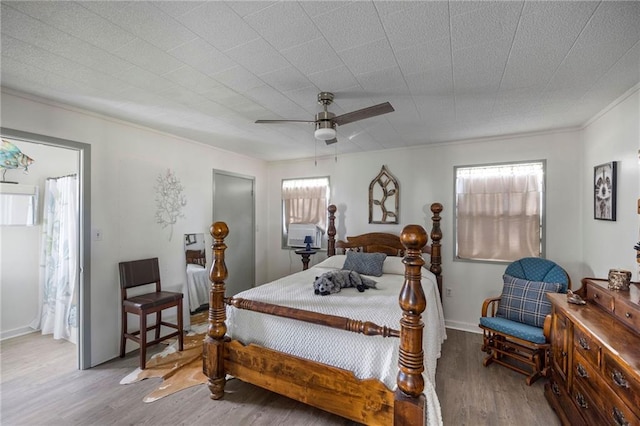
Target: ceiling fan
[326, 121]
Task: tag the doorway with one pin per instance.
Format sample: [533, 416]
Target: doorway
[83, 253]
[233, 203]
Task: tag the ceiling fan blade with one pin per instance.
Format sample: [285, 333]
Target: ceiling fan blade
[363, 113]
[283, 121]
[331, 141]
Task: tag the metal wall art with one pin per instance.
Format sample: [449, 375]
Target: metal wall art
[384, 198]
[169, 200]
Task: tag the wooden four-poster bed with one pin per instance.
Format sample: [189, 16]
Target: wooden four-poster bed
[325, 385]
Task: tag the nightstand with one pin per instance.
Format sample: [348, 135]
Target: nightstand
[305, 255]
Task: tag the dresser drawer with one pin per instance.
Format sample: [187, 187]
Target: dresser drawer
[600, 296]
[586, 374]
[616, 412]
[622, 382]
[587, 346]
[587, 408]
[592, 394]
[628, 314]
[561, 402]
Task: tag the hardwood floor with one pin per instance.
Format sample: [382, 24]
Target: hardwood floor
[39, 385]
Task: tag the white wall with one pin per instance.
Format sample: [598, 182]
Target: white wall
[126, 161]
[20, 245]
[613, 136]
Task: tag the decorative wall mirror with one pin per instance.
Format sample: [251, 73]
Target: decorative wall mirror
[197, 273]
[384, 198]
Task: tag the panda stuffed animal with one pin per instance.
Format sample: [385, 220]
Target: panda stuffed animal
[334, 281]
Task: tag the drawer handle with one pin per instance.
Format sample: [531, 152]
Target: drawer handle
[584, 344]
[582, 372]
[618, 417]
[582, 403]
[628, 314]
[619, 379]
[563, 353]
[555, 389]
[595, 296]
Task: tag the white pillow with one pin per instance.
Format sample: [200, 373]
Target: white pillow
[393, 265]
[336, 261]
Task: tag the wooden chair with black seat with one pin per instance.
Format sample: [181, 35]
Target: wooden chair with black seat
[138, 273]
[517, 325]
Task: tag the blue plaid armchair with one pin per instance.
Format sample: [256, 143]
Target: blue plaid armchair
[516, 326]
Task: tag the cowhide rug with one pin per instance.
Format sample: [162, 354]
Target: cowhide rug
[179, 370]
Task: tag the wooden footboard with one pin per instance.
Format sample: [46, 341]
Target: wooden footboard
[323, 386]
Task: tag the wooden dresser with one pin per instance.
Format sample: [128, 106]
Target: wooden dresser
[595, 356]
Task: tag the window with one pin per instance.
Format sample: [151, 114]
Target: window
[304, 201]
[499, 211]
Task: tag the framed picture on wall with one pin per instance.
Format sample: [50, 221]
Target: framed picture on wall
[604, 189]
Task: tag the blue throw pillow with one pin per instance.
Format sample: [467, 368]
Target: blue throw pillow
[365, 263]
[525, 301]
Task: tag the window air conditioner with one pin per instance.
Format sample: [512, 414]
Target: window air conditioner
[297, 232]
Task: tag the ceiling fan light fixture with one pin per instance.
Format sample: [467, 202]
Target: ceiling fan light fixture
[325, 134]
[325, 130]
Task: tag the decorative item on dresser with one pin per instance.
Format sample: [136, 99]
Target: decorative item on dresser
[595, 356]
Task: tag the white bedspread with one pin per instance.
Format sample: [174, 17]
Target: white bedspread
[197, 286]
[366, 356]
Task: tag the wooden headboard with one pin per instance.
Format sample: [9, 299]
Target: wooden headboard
[196, 257]
[375, 242]
[381, 242]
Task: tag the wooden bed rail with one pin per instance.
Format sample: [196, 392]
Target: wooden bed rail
[342, 323]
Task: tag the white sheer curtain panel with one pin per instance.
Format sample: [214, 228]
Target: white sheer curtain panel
[305, 201]
[499, 212]
[58, 313]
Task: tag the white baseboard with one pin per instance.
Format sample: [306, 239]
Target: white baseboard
[8, 334]
[463, 326]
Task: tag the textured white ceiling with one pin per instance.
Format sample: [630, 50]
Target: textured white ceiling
[207, 70]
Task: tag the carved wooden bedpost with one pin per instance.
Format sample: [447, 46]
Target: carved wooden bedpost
[409, 400]
[331, 231]
[213, 350]
[436, 236]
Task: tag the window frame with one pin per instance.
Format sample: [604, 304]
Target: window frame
[283, 229]
[543, 209]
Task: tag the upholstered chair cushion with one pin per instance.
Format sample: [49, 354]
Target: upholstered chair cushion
[525, 301]
[538, 269]
[365, 263]
[513, 328]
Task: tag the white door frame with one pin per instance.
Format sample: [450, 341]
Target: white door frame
[84, 243]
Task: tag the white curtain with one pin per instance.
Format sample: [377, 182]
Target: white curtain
[499, 211]
[58, 314]
[305, 201]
